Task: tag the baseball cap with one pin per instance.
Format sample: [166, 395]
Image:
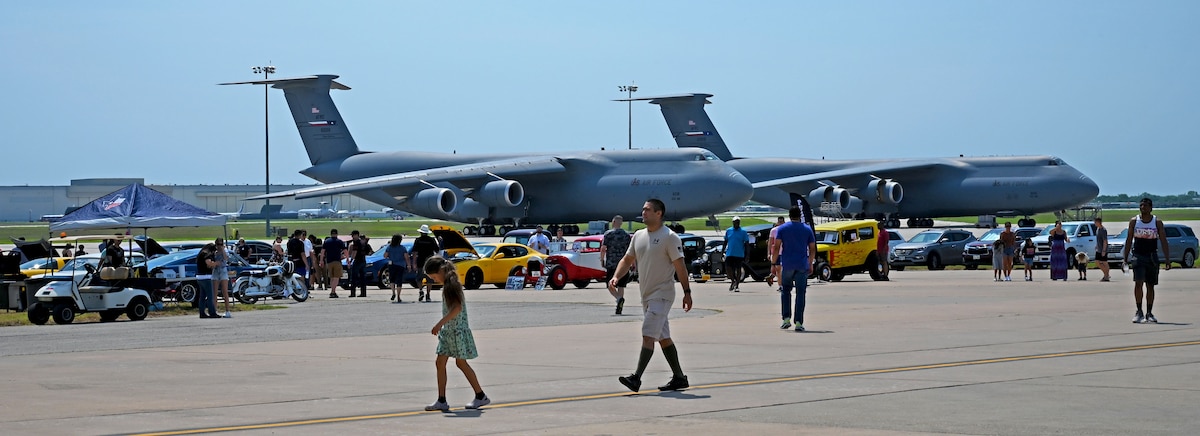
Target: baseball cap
[737, 218]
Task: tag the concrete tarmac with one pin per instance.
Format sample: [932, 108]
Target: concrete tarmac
[945, 352]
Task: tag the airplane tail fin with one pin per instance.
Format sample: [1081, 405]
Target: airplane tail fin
[321, 127]
[689, 123]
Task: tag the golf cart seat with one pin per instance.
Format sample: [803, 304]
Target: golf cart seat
[110, 273]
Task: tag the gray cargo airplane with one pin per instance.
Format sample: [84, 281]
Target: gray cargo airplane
[325, 211]
[917, 189]
[502, 189]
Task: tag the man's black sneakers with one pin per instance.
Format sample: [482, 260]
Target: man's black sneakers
[675, 384]
[620, 305]
[633, 382]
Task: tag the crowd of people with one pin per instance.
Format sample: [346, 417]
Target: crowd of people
[657, 254]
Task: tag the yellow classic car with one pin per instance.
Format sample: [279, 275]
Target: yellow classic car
[45, 265]
[494, 262]
[847, 247]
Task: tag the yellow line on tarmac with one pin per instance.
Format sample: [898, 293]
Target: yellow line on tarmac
[708, 386]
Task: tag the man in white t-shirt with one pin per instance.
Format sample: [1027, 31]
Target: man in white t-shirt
[539, 241]
[309, 259]
[658, 253]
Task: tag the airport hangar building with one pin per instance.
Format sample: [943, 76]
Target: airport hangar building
[31, 203]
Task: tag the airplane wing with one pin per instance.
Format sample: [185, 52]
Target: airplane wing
[858, 174]
[418, 180]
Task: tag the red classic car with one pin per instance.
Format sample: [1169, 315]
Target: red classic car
[579, 265]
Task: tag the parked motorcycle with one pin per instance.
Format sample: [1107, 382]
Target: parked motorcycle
[277, 281]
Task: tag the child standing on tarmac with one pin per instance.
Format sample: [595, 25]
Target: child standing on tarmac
[1028, 251]
[998, 261]
[1081, 261]
[454, 335]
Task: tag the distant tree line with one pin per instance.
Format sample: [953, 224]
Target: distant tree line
[1190, 199]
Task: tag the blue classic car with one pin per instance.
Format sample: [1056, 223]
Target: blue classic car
[179, 268]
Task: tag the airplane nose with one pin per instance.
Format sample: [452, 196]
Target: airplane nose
[737, 186]
[1085, 188]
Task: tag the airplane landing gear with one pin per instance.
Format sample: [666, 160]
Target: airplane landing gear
[492, 230]
[891, 223]
[676, 227]
[920, 222]
[1026, 222]
[568, 229]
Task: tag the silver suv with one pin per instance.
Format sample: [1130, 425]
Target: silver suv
[932, 248]
[1180, 238]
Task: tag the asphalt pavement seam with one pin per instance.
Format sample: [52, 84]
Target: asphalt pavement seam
[707, 386]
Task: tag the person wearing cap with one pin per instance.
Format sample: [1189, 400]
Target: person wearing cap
[539, 241]
[424, 247]
[612, 249]
[736, 243]
[333, 250]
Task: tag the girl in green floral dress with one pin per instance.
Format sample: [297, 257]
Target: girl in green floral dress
[454, 335]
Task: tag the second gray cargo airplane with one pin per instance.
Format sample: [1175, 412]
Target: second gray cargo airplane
[502, 189]
[917, 189]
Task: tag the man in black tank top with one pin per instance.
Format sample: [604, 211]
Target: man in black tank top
[1144, 236]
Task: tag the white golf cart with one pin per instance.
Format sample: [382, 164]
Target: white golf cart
[109, 290]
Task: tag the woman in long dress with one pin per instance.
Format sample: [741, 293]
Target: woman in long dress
[1058, 252]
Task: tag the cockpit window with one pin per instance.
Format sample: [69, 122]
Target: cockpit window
[1056, 161]
[707, 155]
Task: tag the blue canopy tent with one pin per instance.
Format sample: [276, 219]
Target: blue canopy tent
[136, 206]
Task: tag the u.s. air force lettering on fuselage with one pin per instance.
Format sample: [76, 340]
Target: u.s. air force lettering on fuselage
[649, 182]
[999, 183]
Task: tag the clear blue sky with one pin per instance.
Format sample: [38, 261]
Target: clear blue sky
[128, 88]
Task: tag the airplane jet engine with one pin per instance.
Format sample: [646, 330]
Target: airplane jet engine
[886, 191]
[502, 193]
[434, 202]
[830, 194]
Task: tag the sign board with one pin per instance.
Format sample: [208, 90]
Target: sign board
[515, 283]
[541, 283]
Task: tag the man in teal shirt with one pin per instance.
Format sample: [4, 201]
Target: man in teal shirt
[736, 242]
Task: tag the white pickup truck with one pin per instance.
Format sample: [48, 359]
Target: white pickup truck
[1081, 237]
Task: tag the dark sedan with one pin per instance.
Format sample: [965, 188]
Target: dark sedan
[979, 252]
[377, 270]
[260, 252]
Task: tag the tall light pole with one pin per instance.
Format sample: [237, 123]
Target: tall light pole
[266, 72]
[630, 88]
